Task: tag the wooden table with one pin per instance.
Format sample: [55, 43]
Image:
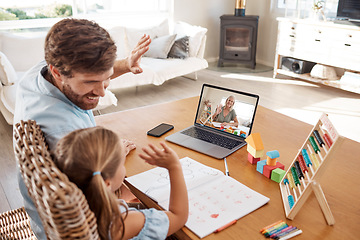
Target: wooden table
[278, 132]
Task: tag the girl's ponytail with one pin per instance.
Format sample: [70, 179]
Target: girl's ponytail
[89, 157]
[105, 207]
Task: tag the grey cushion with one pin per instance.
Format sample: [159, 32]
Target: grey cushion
[180, 49]
[160, 47]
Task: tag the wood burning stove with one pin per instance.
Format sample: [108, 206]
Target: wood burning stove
[238, 37]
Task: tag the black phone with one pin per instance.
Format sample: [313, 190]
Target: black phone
[160, 130]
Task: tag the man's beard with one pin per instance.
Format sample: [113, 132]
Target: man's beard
[77, 99]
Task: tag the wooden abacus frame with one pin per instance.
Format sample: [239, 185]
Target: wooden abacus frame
[311, 184]
[205, 116]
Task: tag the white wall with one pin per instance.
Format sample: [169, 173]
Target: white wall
[206, 13]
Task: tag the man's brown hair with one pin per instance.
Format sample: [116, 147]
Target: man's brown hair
[79, 45]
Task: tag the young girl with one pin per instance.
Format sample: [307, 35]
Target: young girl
[93, 158]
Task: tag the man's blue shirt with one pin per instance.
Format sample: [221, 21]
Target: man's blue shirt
[39, 100]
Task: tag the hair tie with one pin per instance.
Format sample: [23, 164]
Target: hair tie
[96, 173]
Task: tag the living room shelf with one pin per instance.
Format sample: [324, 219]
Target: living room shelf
[331, 83]
[326, 43]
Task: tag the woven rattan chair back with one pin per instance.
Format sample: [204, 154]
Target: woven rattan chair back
[61, 205]
[15, 225]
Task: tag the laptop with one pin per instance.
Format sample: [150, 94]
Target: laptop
[208, 134]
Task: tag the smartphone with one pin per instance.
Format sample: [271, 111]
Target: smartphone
[160, 130]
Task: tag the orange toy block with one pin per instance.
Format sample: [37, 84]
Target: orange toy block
[252, 160]
[271, 161]
[271, 157]
[268, 169]
[255, 145]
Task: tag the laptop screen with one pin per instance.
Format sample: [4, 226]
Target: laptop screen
[226, 110]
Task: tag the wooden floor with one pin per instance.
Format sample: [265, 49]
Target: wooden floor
[299, 99]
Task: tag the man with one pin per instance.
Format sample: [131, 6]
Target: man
[59, 93]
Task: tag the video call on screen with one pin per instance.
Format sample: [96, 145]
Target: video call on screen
[244, 108]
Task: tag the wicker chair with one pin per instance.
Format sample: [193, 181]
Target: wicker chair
[15, 224]
[61, 205]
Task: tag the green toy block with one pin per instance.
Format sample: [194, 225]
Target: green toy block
[277, 174]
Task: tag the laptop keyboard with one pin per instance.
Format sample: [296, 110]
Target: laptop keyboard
[211, 138]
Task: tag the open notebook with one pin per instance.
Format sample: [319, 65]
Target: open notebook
[214, 199]
[207, 135]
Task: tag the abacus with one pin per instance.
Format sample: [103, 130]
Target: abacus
[301, 178]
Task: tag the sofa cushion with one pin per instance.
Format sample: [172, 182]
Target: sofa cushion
[29, 47]
[156, 71]
[8, 97]
[119, 37]
[196, 34]
[7, 71]
[160, 47]
[106, 101]
[173, 67]
[133, 35]
[180, 48]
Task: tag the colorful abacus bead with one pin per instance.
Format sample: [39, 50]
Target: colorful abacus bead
[315, 160]
[318, 138]
[296, 178]
[299, 172]
[289, 196]
[313, 144]
[292, 184]
[298, 169]
[307, 160]
[327, 140]
[303, 166]
[291, 201]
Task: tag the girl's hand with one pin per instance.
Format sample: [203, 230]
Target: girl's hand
[178, 201]
[166, 157]
[129, 145]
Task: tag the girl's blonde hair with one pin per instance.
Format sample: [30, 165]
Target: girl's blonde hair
[83, 152]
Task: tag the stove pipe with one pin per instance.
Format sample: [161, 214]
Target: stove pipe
[240, 7]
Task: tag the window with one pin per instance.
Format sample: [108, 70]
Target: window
[306, 8]
[35, 9]
[39, 14]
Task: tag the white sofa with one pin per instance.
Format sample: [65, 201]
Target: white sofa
[18, 53]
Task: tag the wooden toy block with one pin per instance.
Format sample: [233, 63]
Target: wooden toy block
[271, 161]
[251, 159]
[229, 130]
[255, 145]
[277, 174]
[273, 154]
[268, 169]
[260, 166]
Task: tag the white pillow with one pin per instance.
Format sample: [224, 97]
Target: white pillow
[196, 34]
[7, 72]
[24, 51]
[160, 47]
[106, 101]
[133, 34]
[119, 36]
[8, 97]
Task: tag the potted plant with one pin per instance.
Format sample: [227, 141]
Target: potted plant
[318, 11]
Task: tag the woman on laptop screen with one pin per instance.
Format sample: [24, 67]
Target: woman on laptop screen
[226, 115]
